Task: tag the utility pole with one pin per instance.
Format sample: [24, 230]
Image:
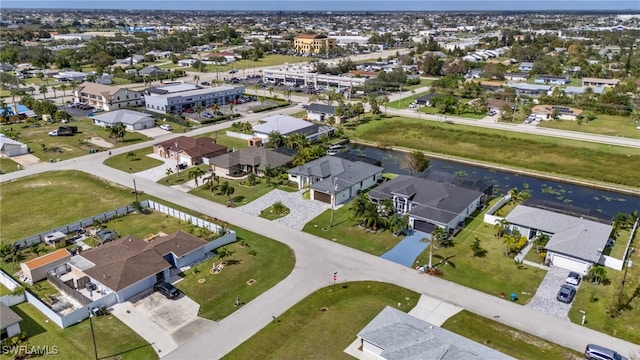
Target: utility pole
[135, 189]
[93, 335]
[177, 160]
[333, 200]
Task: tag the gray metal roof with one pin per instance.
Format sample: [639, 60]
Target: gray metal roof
[127, 117]
[574, 236]
[321, 108]
[405, 337]
[7, 316]
[431, 200]
[284, 124]
[347, 173]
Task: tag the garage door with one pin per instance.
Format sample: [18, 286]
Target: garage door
[569, 264]
[423, 226]
[324, 197]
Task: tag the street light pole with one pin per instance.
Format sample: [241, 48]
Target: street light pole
[177, 160]
[93, 335]
[333, 200]
[135, 189]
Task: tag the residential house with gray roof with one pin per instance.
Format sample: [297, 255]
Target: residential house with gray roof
[251, 160]
[575, 243]
[334, 180]
[395, 335]
[9, 322]
[429, 203]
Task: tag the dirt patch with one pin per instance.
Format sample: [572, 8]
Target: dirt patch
[98, 141]
[36, 184]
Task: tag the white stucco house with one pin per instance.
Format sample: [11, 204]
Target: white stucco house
[575, 243]
[334, 180]
[10, 147]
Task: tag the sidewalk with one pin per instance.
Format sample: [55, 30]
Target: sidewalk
[520, 257]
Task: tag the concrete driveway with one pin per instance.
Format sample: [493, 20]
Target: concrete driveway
[301, 211]
[545, 298]
[164, 323]
[158, 172]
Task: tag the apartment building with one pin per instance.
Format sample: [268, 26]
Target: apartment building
[313, 43]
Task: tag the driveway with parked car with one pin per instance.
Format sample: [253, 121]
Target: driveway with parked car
[546, 297]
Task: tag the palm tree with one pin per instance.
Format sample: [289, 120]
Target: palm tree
[168, 173]
[439, 236]
[215, 108]
[276, 139]
[227, 189]
[195, 173]
[296, 141]
[359, 206]
[598, 274]
[510, 242]
[64, 88]
[398, 223]
[43, 90]
[31, 89]
[208, 181]
[541, 240]
[196, 78]
[384, 101]
[501, 227]
[288, 93]
[198, 108]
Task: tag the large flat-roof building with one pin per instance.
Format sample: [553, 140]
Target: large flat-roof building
[176, 98]
[313, 43]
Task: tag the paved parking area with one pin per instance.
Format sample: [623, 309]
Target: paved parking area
[301, 211]
[545, 298]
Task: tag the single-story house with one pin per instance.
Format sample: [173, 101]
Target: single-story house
[546, 112]
[525, 66]
[578, 90]
[491, 85]
[498, 104]
[516, 76]
[10, 147]
[575, 243]
[426, 99]
[287, 125]
[151, 71]
[320, 112]
[36, 269]
[429, 203]
[335, 180]
[71, 76]
[188, 150]
[9, 322]
[474, 74]
[130, 265]
[596, 82]
[552, 79]
[251, 160]
[133, 120]
[186, 62]
[395, 335]
[530, 89]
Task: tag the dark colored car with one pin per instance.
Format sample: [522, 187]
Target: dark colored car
[597, 352]
[166, 289]
[566, 294]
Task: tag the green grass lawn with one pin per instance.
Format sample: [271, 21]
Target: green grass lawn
[553, 155]
[248, 65]
[7, 165]
[113, 338]
[183, 176]
[306, 332]
[224, 140]
[120, 81]
[242, 194]
[405, 102]
[493, 274]
[612, 125]
[141, 225]
[597, 300]
[262, 259]
[506, 339]
[346, 232]
[506, 209]
[4, 291]
[137, 163]
[271, 213]
[57, 198]
[47, 147]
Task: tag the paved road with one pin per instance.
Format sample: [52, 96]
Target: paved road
[316, 260]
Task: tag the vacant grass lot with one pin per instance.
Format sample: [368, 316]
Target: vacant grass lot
[224, 140]
[306, 332]
[597, 301]
[139, 162]
[554, 156]
[38, 203]
[493, 274]
[612, 125]
[262, 259]
[183, 176]
[248, 65]
[47, 147]
[345, 231]
[113, 338]
[506, 339]
[242, 194]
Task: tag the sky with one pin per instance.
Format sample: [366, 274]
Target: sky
[332, 5]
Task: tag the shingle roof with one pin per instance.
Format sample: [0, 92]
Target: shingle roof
[431, 200]
[8, 317]
[347, 173]
[253, 156]
[405, 337]
[98, 89]
[195, 147]
[321, 108]
[574, 236]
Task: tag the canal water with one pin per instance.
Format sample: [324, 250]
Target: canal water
[598, 201]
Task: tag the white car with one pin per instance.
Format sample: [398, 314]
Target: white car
[53, 133]
[412, 106]
[573, 278]
[166, 127]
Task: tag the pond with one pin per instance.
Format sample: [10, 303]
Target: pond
[606, 203]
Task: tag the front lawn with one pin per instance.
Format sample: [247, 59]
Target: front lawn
[404, 103]
[112, 337]
[306, 331]
[506, 339]
[495, 273]
[134, 161]
[7, 165]
[175, 177]
[253, 257]
[598, 302]
[274, 212]
[242, 193]
[224, 140]
[612, 125]
[37, 203]
[346, 231]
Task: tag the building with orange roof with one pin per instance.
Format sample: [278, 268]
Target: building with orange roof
[36, 269]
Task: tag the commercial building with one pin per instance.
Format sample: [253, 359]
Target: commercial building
[177, 98]
[313, 43]
[304, 76]
[106, 97]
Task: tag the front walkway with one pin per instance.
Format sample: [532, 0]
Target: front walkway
[406, 251]
[301, 211]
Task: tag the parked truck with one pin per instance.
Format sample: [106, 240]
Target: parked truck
[64, 131]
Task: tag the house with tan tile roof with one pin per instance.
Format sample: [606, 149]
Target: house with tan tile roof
[106, 97]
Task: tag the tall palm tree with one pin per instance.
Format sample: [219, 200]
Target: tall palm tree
[196, 173]
[43, 90]
[359, 206]
[501, 227]
[64, 88]
[215, 108]
[439, 236]
[384, 101]
[227, 189]
[540, 241]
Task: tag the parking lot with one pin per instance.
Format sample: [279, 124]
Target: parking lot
[545, 298]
